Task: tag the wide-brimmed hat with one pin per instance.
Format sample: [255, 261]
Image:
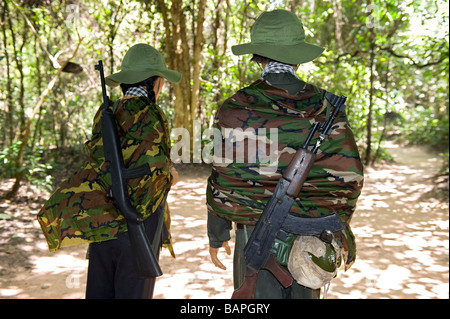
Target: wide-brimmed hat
[279, 35]
[139, 63]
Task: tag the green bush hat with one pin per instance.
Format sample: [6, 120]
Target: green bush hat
[139, 63]
[279, 35]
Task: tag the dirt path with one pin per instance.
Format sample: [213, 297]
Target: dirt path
[402, 234]
[402, 238]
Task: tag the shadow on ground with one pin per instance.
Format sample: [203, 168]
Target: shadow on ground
[402, 238]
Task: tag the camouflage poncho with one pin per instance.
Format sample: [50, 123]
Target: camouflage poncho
[80, 211]
[239, 191]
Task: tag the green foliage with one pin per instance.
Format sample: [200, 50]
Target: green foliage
[425, 127]
[34, 166]
[8, 158]
[37, 169]
[402, 44]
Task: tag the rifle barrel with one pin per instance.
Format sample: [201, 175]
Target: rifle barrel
[99, 67]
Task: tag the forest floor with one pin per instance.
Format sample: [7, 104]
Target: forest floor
[401, 226]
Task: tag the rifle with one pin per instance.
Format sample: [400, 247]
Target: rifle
[277, 222]
[145, 262]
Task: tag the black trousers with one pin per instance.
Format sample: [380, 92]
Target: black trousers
[111, 273]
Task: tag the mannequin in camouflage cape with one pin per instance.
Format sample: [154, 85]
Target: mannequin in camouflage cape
[80, 210]
[238, 191]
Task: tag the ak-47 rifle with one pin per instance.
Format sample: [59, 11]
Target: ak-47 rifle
[276, 222]
[145, 262]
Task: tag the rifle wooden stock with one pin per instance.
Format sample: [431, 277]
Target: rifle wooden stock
[298, 170]
[248, 287]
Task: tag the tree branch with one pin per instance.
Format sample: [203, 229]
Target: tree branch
[418, 65]
[11, 14]
[26, 134]
[52, 58]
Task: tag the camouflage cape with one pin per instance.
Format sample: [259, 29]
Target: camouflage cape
[240, 191]
[80, 211]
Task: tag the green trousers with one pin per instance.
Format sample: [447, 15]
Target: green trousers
[267, 286]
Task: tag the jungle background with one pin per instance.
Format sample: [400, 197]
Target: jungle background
[390, 58]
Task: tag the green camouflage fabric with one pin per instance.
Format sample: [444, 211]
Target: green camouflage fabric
[239, 191]
[80, 210]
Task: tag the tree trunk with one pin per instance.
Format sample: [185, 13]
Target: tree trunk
[27, 132]
[197, 68]
[178, 57]
[385, 120]
[371, 91]
[338, 20]
[17, 55]
[9, 127]
[174, 59]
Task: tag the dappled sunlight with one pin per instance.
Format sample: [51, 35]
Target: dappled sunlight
[27, 268]
[402, 237]
[402, 234]
[58, 264]
[192, 274]
[59, 275]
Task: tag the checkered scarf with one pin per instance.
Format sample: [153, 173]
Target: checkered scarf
[277, 67]
[136, 91]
